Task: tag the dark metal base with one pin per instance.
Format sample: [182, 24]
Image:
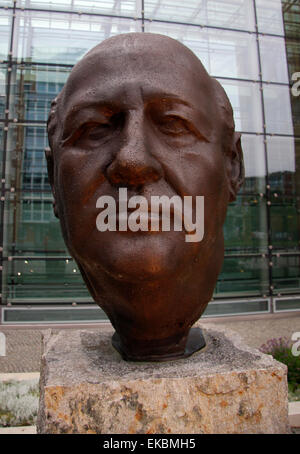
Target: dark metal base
[195, 342]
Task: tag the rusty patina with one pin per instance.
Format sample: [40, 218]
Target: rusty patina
[139, 111]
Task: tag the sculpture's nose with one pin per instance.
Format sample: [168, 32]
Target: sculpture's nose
[134, 165]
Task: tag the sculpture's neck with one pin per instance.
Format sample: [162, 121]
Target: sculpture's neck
[153, 319]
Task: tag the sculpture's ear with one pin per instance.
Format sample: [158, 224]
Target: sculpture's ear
[50, 168]
[235, 166]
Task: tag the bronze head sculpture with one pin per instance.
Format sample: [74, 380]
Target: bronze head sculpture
[140, 112]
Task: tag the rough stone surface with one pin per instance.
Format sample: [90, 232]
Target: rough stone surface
[226, 388]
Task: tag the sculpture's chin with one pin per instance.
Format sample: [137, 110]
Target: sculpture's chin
[139, 257]
[138, 267]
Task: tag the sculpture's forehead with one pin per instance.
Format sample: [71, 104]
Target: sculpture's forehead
[127, 67]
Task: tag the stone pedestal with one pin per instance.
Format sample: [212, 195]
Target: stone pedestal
[225, 388]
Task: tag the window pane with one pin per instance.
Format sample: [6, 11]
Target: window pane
[254, 162]
[43, 279]
[129, 8]
[63, 38]
[1, 147]
[286, 273]
[236, 14]
[2, 91]
[246, 103]
[25, 158]
[223, 53]
[245, 229]
[5, 31]
[291, 17]
[269, 16]
[243, 276]
[53, 315]
[31, 227]
[278, 109]
[216, 308]
[35, 88]
[285, 304]
[273, 59]
[285, 223]
[293, 56]
[284, 165]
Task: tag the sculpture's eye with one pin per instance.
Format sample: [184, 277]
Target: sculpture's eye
[95, 131]
[174, 125]
[90, 134]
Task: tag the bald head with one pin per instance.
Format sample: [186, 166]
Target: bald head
[157, 58]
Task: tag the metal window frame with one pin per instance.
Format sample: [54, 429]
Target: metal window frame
[240, 301]
[275, 299]
[51, 308]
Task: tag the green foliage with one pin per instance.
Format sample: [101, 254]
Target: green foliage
[281, 350]
[294, 394]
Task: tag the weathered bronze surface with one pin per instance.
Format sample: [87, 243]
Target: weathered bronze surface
[139, 111]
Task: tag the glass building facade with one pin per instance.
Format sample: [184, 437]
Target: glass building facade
[251, 46]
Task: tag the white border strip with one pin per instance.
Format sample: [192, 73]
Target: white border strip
[20, 376]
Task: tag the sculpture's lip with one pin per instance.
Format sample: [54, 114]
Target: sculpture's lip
[146, 218]
[154, 213]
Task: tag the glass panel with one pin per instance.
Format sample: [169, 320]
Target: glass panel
[36, 86]
[245, 229]
[291, 18]
[43, 279]
[285, 223]
[63, 38]
[269, 16]
[3, 71]
[5, 31]
[26, 164]
[293, 56]
[254, 162]
[284, 165]
[278, 109]
[31, 227]
[273, 59]
[286, 274]
[223, 53]
[246, 103]
[130, 8]
[286, 304]
[53, 315]
[235, 307]
[236, 14]
[29, 223]
[1, 147]
[243, 276]
[10, 145]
